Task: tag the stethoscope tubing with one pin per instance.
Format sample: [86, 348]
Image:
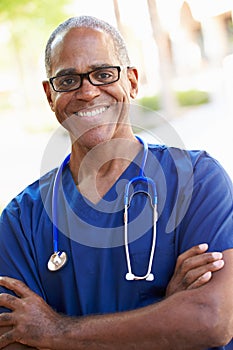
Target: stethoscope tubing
[148, 180]
[56, 185]
[127, 201]
[59, 258]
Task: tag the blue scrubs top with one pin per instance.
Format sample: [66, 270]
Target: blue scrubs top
[194, 206]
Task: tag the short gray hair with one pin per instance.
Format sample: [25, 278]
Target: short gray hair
[93, 23]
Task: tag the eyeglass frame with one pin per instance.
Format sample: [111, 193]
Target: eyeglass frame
[86, 75]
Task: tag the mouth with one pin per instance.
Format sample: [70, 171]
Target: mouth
[91, 112]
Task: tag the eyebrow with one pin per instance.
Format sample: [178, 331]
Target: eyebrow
[66, 71]
[74, 71]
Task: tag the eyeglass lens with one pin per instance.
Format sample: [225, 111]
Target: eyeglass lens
[100, 76]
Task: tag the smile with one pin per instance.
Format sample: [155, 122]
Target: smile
[92, 113]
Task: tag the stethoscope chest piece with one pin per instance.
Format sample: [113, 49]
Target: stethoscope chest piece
[57, 261]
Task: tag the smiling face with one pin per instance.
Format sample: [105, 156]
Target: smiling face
[92, 114]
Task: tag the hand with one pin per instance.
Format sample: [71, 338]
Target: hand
[194, 268]
[32, 322]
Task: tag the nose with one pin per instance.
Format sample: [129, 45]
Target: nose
[87, 91]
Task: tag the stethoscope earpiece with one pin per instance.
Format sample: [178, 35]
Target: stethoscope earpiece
[129, 276]
[150, 277]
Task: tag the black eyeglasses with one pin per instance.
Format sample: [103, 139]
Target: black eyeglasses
[97, 77]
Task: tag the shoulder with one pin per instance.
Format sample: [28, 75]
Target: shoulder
[169, 155]
[190, 180]
[174, 154]
[196, 163]
[31, 198]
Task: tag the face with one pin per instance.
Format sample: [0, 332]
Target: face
[92, 114]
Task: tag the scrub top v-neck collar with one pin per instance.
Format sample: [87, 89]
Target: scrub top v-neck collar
[112, 201]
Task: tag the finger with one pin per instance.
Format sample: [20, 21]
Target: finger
[9, 301]
[197, 274]
[6, 319]
[201, 280]
[201, 260]
[7, 339]
[18, 287]
[216, 265]
[196, 250]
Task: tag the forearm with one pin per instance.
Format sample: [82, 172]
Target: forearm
[193, 319]
[171, 324]
[188, 320]
[162, 326]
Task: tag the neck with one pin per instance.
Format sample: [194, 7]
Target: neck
[96, 170]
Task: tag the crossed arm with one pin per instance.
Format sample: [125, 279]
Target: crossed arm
[194, 315]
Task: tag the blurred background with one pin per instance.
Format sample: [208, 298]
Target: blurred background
[184, 53]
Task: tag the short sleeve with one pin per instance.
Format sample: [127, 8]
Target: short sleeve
[17, 257]
[209, 217]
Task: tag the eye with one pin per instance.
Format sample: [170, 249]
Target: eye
[104, 75]
[68, 80]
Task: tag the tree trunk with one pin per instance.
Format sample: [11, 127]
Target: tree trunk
[118, 17]
[169, 104]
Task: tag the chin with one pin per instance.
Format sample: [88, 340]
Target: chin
[95, 136]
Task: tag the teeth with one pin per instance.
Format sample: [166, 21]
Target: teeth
[92, 113]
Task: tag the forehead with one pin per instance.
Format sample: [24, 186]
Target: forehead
[81, 48]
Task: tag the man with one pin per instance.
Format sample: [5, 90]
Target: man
[186, 303]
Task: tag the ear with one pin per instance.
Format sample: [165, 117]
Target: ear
[47, 90]
[133, 78]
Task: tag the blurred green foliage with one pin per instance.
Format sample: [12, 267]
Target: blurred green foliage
[184, 98]
[34, 19]
[192, 97]
[25, 26]
[51, 11]
[150, 102]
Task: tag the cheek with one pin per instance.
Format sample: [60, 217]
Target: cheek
[126, 90]
[120, 93]
[59, 107]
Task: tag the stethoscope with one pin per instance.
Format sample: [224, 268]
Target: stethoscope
[59, 258]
